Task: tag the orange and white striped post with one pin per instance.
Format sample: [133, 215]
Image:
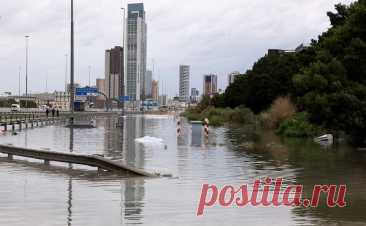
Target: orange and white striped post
[206, 126]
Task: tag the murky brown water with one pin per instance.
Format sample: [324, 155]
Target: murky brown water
[34, 194]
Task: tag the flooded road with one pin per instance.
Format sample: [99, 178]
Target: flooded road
[35, 194]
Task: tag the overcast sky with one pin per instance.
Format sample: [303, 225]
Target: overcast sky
[213, 36]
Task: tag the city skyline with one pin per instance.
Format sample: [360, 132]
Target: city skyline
[222, 54]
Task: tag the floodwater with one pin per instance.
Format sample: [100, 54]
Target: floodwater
[32, 193]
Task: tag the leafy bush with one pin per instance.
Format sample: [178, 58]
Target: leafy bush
[220, 116]
[299, 126]
[281, 109]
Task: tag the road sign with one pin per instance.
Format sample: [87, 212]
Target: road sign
[124, 98]
[86, 91]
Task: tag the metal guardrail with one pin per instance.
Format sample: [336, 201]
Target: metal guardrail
[88, 160]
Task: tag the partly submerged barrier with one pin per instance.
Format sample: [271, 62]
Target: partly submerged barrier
[81, 159]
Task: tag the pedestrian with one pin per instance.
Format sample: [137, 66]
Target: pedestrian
[57, 112]
[53, 112]
[47, 112]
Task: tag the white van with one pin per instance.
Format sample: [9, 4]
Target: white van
[15, 108]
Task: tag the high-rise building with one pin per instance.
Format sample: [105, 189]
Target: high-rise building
[148, 83]
[210, 85]
[155, 90]
[163, 100]
[184, 71]
[232, 76]
[100, 85]
[194, 95]
[114, 72]
[100, 100]
[136, 52]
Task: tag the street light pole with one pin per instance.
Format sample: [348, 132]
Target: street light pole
[123, 61]
[66, 71]
[72, 86]
[89, 68]
[20, 72]
[26, 70]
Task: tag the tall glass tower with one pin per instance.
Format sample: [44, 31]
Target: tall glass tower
[136, 52]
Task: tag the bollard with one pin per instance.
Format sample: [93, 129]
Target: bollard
[179, 130]
[47, 162]
[10, 157]
[13, 127]
[206, 125]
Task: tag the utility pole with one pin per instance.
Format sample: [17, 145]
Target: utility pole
[26, 70]
[72, 86]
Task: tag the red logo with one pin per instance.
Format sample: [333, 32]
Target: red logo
[261, 192]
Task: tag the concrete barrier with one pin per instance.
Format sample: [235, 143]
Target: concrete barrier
[88, 160]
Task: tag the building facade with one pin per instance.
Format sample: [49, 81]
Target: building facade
[62, 100]
[136, 52]
[194, 95]
[101, 85]
[184, 74]
[210, 85]
[232, 76]
[155, 90]
[148, 84]
[114, 73]
[163, 100]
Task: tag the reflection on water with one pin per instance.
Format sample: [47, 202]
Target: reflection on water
[32, 193]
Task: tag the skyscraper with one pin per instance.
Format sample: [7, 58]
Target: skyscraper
[148, 83]
[194, 95]
[210, 85]
[114, 72]
[184, 83]
[136, 52]
[232, 76]
[155, 90]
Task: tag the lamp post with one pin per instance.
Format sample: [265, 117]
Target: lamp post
[72, 86]
[89, 68]
[26, 70]
[66, 71]
[19, 85]
[123, 61]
